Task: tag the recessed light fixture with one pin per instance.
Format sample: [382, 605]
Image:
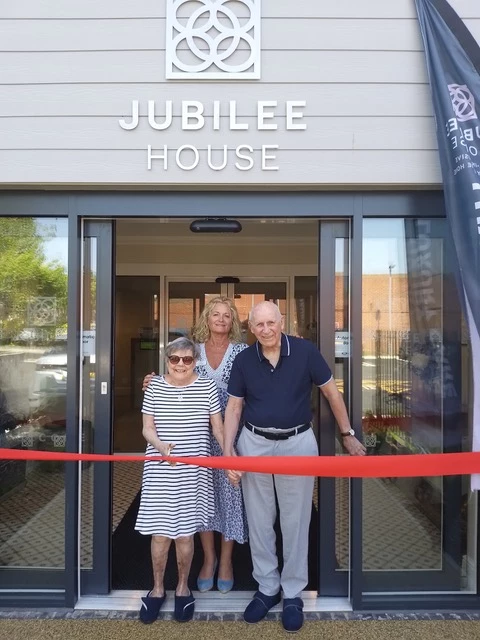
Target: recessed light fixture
[227, 280]
[215, 225]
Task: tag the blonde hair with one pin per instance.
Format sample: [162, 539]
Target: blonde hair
[201, 331]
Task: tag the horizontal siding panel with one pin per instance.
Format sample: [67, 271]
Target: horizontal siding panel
[114, 100]
[279, 66]
[117, 35]
[270, 8]
[142, 34]
[325, 168]
[321, 133]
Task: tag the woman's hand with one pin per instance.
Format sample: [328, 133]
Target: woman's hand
[165, 449]
[147, 379]
[234, 477]
[217, 427]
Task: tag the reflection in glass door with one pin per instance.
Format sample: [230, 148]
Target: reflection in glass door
[33, 394]
[418, 533]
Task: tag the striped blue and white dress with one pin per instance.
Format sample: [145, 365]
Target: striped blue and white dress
[178, 500]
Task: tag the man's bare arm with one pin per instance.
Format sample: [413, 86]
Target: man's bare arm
[233, 413]
[339, 410]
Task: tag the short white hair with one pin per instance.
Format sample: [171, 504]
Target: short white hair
[182, 344]
[278, 313]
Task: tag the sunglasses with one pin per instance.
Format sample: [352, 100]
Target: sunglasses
[185, 359]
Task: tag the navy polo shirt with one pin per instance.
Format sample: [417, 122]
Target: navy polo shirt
[278, 396]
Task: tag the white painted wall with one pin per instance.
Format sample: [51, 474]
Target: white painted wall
[69, 71]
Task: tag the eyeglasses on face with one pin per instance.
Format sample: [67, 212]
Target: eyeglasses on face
[185, 359]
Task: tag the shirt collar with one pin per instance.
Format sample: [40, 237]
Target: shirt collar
[284, 348]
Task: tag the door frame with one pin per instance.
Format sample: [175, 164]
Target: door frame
[97, 579]
[333, 581]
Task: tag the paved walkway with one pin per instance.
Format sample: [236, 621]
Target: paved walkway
[446, 629]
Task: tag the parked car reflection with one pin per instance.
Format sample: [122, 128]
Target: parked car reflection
[42, 426]
[49, 388]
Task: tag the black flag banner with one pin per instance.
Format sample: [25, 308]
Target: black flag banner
[453, 64]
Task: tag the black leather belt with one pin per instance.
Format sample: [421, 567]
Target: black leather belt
[278, 436]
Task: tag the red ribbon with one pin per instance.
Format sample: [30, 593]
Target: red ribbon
[391, 466]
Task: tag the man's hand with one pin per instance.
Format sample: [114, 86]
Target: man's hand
[354, 446]
[147, 379]
[234, 477]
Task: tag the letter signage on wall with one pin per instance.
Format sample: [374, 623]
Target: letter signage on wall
[213, 40]
[270, 115]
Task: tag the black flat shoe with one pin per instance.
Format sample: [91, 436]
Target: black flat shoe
[184, 608]
[258, 608]
[292, 615]
[150, 608]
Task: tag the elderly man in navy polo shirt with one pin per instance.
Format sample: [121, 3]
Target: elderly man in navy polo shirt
[271, 384]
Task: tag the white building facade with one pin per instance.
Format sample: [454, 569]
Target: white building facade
[309, 123]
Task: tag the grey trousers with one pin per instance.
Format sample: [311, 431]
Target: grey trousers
[294, 494]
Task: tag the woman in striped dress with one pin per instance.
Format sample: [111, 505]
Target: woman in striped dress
[219, 335]
[177, 500]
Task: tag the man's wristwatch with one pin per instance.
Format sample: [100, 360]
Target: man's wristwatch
[350, 432]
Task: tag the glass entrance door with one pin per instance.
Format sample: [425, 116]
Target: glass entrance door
[417, 532]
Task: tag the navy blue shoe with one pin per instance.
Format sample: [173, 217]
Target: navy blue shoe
[150, 608]
[258, 608]
[292, 615]
[184, 608]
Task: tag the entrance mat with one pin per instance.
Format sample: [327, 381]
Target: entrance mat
[132, 566]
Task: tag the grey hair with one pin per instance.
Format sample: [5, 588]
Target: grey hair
[182, 344]
[278, 313]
